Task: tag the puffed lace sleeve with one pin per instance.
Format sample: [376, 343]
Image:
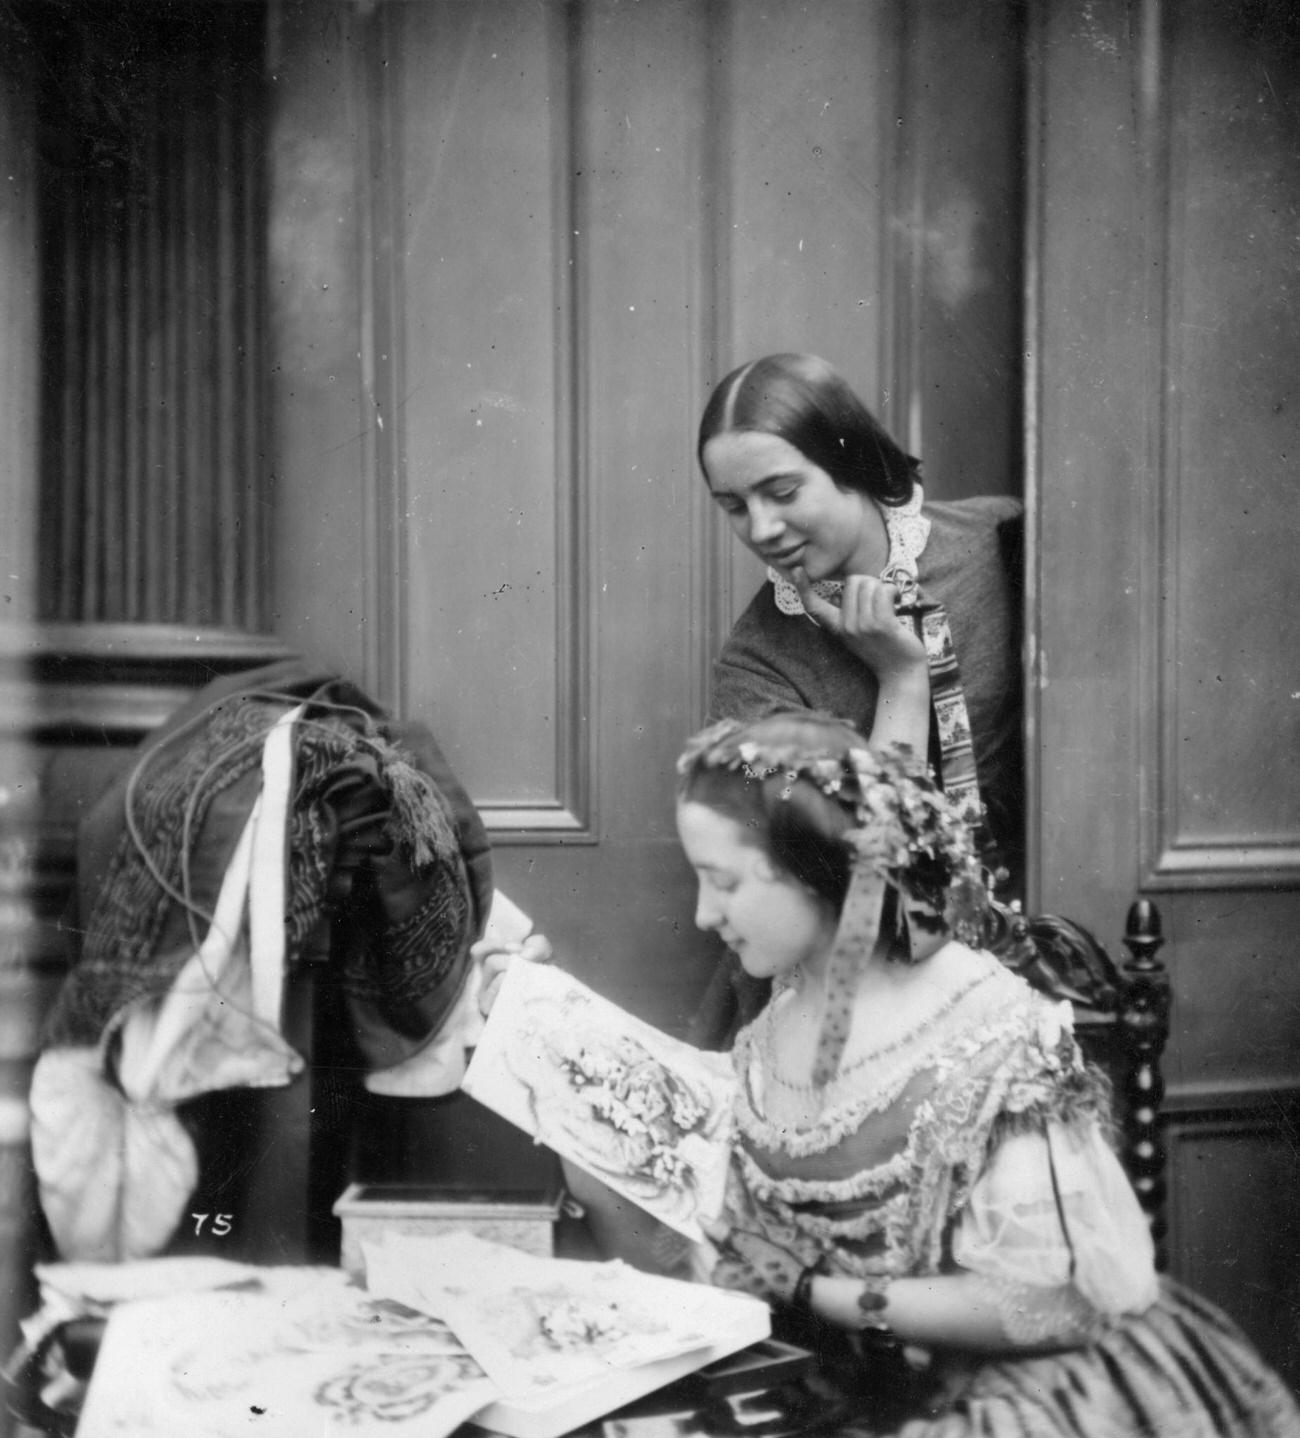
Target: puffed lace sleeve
[1054, 1228]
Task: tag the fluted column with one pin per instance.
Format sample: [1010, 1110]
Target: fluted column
[154, 478]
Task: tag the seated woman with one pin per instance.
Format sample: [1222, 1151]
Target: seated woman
[921, 1164]
[815, 487]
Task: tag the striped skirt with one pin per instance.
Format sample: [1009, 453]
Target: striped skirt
[1180, 1370]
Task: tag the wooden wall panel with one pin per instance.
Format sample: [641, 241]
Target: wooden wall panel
[556, 544]
[1089, 502]
[31, 884]
[497, 551]
[1140, 524]
[1163, 338]
[20, 327]
[155, 481]
[810, 175]
[1228, 634]
[811, 129]
[642, 142]
[1234, 1223]
[873, 214]
[325, 584]
[586, 213]
[956, 234]
[512, 246]
[75, 697]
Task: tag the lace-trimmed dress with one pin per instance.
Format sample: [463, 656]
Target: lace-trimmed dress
[978, 1143]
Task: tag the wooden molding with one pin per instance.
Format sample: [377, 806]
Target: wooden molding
[518, 823]
[154, 485]
[902, 220]
[37, 865]
[569, 816]
[1175, 857]
[1244, 1103]
[381, 347]
[1034, 308]
[37, 872]
[576, 615]
[112, 683]
[709, 263]
[1246, 1119]
[1226, 861]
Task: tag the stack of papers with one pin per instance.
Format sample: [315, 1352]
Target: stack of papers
[445, 1330]
[329, 1359]
[562, 1341]
[453, 1326]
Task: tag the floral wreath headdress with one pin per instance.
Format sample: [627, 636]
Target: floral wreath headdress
[906, 834]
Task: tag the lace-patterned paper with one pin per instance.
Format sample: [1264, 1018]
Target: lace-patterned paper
[646, 1114]
[329, 1361]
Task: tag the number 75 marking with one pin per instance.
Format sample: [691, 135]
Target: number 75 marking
[221, 1223]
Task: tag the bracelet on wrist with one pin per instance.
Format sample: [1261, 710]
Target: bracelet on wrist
[801, 1294]
[872, 1303]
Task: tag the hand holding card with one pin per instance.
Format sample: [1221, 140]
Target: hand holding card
[646, 1114]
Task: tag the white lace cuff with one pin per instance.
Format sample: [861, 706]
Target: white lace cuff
[1031, 1317]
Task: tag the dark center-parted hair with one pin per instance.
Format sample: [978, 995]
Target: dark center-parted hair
[806, 402]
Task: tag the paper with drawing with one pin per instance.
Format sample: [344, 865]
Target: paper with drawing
[648, 1115]
[330, 1360]
[540, 1326]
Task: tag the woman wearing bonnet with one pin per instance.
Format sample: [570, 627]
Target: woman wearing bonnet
[900, 615]
[922, 1182]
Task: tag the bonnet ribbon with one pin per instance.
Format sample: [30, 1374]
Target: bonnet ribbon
[855, 939]
[856, 934]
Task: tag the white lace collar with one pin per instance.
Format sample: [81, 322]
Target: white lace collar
[907, 528]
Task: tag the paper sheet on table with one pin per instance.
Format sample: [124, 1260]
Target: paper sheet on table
[648, 1115]
[538, 1326]
[330, 1360]
[106, 1283]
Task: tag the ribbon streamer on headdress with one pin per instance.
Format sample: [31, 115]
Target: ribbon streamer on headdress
[856, 935]
[855, 942]
[899, 817]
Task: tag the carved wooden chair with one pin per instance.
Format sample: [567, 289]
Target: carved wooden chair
[1121, 1021]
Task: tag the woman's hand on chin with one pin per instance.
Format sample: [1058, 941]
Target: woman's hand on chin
[866, 623]
[495, 958]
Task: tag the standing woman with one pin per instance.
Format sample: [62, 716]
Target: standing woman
[816, 488]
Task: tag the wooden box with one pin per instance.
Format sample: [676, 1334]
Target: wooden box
[520, 1218]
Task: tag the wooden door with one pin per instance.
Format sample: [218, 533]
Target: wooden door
[1165, 146]
[517, 245]
[509, 248]
[514, 247]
